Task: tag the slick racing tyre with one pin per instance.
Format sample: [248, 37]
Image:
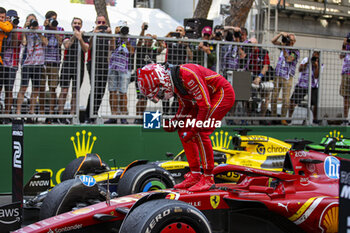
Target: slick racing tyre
[165, 216]
[71, 169]
[144, 178]
[91, 164]
[68, 195]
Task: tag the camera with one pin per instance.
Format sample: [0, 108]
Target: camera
[229, 36]
[286, 40]
[14, 20]
[33, 23]
[205, 43]
[314, 59]
[263, 86]
[124, 30]
[103, 28]
[218, 34]
[53, 22]
[237, 34]
[175, 34]
[145, 26]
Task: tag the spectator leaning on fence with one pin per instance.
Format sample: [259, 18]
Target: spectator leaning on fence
[146, 53]
[33, 63]
[178, 52]
[207, 48]
[119, 74]
[11, 51]
[5, 28]
[234, 57]
[70, 65]
[345, 79]
[243, 37]
[302, 87]
[229, 53]
[101, 65]
[284, 72]
[52, 62]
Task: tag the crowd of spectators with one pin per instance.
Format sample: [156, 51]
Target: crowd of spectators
[115, 59]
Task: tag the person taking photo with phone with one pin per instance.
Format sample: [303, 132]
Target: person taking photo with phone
[70, 66]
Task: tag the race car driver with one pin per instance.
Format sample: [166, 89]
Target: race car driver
[203, 96]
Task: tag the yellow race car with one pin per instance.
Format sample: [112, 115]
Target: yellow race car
[254, 151]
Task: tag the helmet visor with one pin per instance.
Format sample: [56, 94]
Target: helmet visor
[159, 95]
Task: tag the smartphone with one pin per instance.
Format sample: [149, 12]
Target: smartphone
[77, 28]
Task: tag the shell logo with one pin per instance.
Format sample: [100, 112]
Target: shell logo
[329, 219]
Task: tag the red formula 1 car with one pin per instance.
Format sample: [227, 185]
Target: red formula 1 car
[301, 198]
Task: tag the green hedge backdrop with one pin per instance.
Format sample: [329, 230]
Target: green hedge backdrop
[50, 147]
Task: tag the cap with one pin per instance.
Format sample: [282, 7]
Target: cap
[218, 27]
[207, 30]
[11, 13]
[122, 23]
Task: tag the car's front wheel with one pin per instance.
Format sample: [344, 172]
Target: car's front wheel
[68, 195]
[165, 216]
[144, 178]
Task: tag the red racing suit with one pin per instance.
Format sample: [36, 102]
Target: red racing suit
[209, 97]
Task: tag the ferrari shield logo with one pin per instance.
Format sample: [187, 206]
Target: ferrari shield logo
[214, 201]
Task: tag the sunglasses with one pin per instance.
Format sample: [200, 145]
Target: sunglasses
[101, 22]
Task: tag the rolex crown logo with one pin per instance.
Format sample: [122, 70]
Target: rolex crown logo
[83, 146]
[335, 134]
[219, 141]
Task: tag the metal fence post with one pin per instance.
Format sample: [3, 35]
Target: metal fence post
[319, 81]
[92, 80]
[218, 57]
[77, 88]
[309, 91]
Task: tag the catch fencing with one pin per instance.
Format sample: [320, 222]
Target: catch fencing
[44, 80]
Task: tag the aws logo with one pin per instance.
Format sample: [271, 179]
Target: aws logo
[83, 144]
[9, 215]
